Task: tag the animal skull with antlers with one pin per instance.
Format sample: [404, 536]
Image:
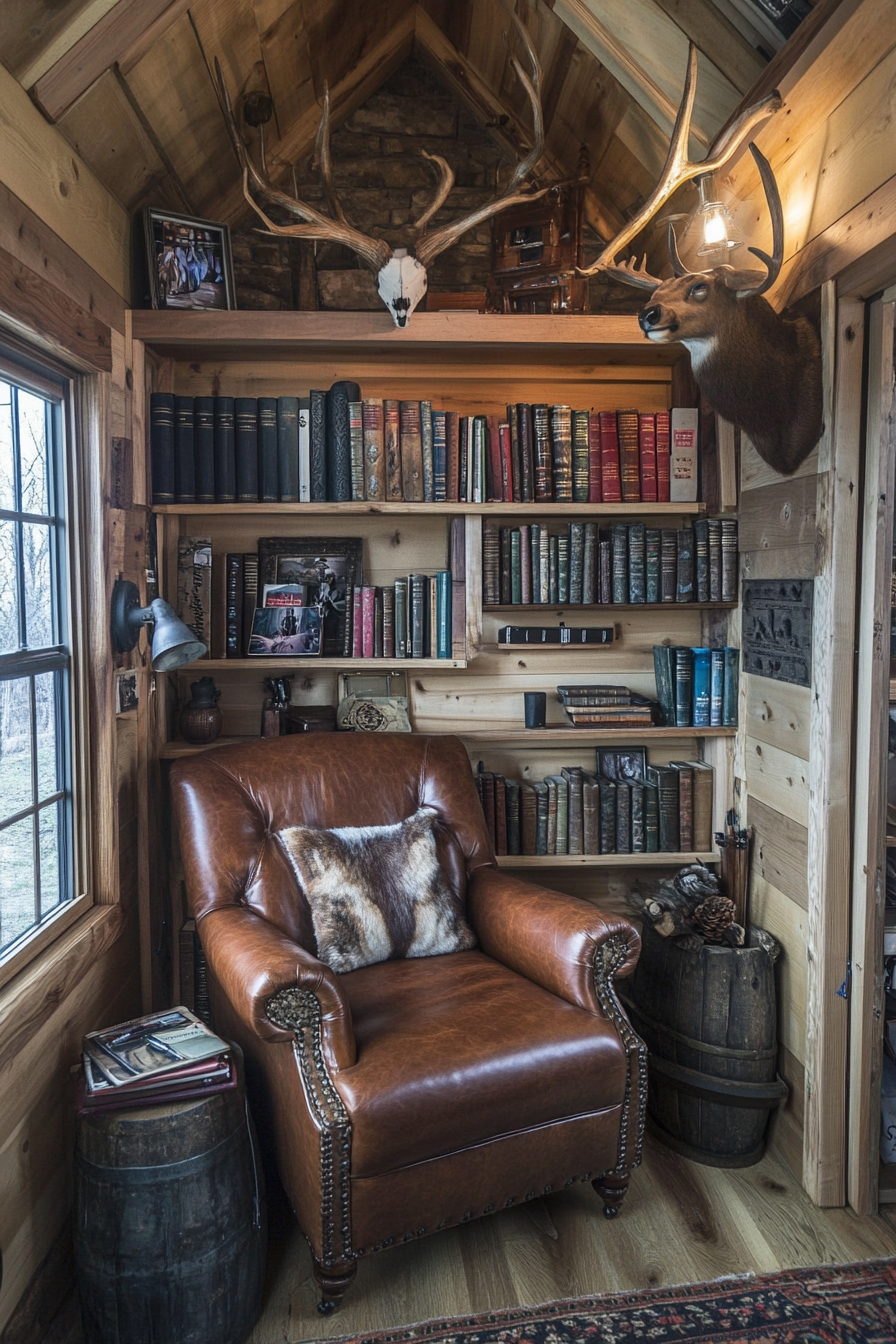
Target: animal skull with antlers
[401, 271]
[756, 369]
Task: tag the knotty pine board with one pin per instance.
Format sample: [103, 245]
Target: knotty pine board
[777, 713]
[780, 850]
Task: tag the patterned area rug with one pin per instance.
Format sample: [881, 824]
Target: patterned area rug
[834, 1304]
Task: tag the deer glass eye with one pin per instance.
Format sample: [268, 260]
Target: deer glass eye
[698, 291]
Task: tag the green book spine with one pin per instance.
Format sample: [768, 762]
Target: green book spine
[636, 562]
[443, 610]
[561, 448]
[563, 569]
[652, 564]
[665, 682]
[684, 686]
[544, 566]
[666, 781]
[580, 479]
[480, 449]
[427, 444]
[356, 446]
[619, 540]
[589, 565]
[576, 562]
[701, 560]
[730, 687]
[516, 576]
[535, 550]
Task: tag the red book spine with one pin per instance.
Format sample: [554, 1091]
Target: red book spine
[368, 602]
[663, 456]
[357, 629]
[595, 493]
[611, 489]
[647, 448]
[452, 456]
[506, 462]
[495, 473]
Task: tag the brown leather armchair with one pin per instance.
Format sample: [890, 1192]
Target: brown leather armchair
[413, 1094]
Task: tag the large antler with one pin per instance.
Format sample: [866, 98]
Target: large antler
[374, 252]
[432, 244]
[679, 169]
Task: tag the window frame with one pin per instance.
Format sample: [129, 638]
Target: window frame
[43, 376]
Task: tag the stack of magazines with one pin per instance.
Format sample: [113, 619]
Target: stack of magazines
[169, 1056]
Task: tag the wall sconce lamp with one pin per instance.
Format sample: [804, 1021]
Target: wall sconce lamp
[173, 643]
[716, 230]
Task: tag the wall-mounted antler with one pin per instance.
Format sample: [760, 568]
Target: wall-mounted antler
[400, 272]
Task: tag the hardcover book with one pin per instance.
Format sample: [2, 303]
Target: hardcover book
[356, 443]
[541, 437]
[268, 483]
[426, 441]
[663, 459]
[647, 456]
[372, 429]
[339, 443]
[629, 455]
[611, 481]
[288, 449]
[204, 444]
[683, 477]
[581, 474]
[392, 451]
[318, 445]
[194, 586]
[184, 452]
[595, 494]
[411, 448]
[161, 446]
[304, 450]
[225, 459]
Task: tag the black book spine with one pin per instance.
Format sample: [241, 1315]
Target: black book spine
[339, 440]
[225, 458]
[729, 559]
[184, 452]
[234, 605]
[619, 538]
[527, 452]
[268, 481]
[288, 449]
[204, 440]
[318, 447]
[161, 446]
[701, 560]
[636, 562]
[245, 439]
[684, 580]
[652, 564]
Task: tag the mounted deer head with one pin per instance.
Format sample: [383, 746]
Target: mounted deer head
[401, 271]
[758, 370]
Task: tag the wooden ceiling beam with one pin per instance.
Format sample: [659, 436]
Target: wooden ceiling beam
[107, 43]
[718, 39]
[61, 30]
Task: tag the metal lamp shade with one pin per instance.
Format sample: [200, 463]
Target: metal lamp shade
[173, 643]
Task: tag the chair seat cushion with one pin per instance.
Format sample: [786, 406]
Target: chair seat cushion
[457, 1050]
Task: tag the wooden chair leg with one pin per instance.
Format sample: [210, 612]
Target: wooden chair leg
[332, 1287]
[612, 1190]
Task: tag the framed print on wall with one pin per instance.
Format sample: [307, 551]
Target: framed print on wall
[189, 261]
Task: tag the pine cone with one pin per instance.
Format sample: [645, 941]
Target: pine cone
[713, 917]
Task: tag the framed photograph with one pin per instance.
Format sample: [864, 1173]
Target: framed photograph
[189, 261]
[621, 763]
[326, 567]
[290, 632]
[127, 692]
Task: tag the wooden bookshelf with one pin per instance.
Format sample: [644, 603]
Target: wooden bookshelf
[661, 860]
[292, 666]
[364, 508]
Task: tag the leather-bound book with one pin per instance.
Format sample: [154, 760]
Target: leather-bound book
[563, 569]
[245, 438]
[317, 446]
[494, 470]
[581, 472]
[664, 672]
[701, 691]
[516, 568]
[623, 817]
[500, 815]
[393, 484]
[702, 805]
[607, 815]
[426, 441]
[443, 589]
[611, 476]
[716, 686]
[561, 453]
[452, 456]
[528, 818]
[304, 450]
[204, 444]
[550, 784]
[504, 543]
[575, 779]
[637, 562]
[730, 687]
[339, 441]
[636, 789]
[629, 455]
[250, 597]
[714, 558]
[506, 453]
[491, 563]
[512, 807]
[541, 442]
[401, 618]
[268, 481]
[683, 671]
[544, 565]
[651, 808]
[411, 444]
[647, 456]
[368, 612]
[417, 598]
[161, 446]
[184, 452]
[665, 779]
[478, 493]
[439, 457]
[225, 455]
[431, 637]
[527, 451]
[457, 560]
[576, 562]
[668, 563]
[595, 486]
[589, 564]
[684, 567]
[729, 559]
[553, 569]
[562, 845]
[619, 538]
[357, 619]
[663, 458]
[372, 428]
[525, 566]
[685, 805]
[233, 605]
[652, 564]
[590, 815]
[378, 623]
[701, 560]
[288, 449]
[356, 442]
[605, 570]
[487, 785]
[541, 817]
[516, 467]
[464, 453]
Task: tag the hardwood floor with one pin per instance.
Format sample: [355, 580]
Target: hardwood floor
[680, 1223]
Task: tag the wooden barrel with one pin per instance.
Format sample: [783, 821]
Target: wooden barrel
[708, 1018]
[170, 1224]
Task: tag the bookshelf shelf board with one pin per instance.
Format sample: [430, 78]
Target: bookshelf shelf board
[604, 860]
[564, 609]
[366, 508]
[285, 663]
[585, 737]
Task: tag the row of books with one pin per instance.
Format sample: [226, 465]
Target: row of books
[163, 1057]
[608, 707]
[697, 687]
[411, 619]
[335, 446]
[624, 807]
[628, 563]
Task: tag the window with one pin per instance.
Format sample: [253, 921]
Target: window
[37, 859]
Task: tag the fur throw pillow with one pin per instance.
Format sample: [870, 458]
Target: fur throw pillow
[377, 893]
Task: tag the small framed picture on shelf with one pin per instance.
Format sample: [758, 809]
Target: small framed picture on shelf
[622, 762]
[189, 261]
[289, 632]
[127, 691]
[324, 567]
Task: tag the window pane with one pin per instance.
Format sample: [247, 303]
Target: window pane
[33, 453]
[15, 746]
[48, 839]
[49, 772]
[7, 462]
[38, 585]
[16, 880]
[9, 592]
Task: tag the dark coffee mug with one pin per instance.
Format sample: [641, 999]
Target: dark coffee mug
[536, 708]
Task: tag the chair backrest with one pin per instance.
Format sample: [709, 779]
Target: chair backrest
[229, 804]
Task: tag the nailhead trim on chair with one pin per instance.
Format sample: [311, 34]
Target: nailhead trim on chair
[299, 1010]
[608, 959]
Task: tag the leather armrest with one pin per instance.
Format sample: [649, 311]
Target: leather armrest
[549, 937]
[252, 961]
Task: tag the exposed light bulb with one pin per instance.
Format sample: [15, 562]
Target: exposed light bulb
[715, 231]
[719, 232]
